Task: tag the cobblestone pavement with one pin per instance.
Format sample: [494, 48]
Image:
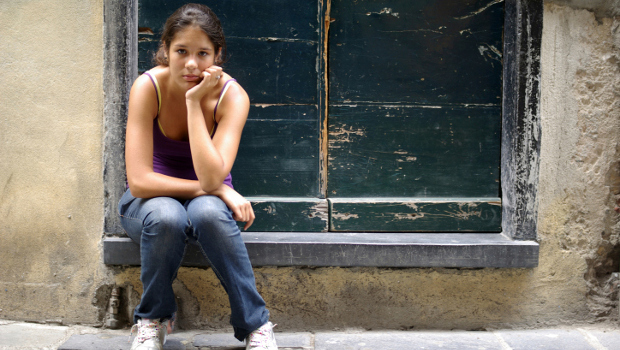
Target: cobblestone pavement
[19, 335]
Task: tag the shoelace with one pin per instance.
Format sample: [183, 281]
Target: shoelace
[260, 337]
[145, 331]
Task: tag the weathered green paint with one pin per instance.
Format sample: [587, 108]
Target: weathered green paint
[414, 105]
[415, 112]
[273, 50]
[245, 18]
[424, 51]
[275, 72]
[289, 214]
[415, 214]
[385, 151]
[272, 46]
[278, 154]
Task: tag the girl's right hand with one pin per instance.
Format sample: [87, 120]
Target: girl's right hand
[241, 207]
[210, 78]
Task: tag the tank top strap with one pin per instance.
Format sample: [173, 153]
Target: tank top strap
[157, 90]
[222, 93]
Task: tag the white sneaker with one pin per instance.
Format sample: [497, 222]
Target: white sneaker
[262, 338]
[151, 334]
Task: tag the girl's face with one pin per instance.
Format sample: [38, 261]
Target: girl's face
[190, 53]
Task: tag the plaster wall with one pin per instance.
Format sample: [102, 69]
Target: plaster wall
[50, 150]
[578, 228]
[579, 180]
[51, 198]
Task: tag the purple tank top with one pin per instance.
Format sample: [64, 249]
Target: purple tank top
[174, 158]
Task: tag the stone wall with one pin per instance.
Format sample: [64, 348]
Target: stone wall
[580, 179]
[578, 228]
[51, 199]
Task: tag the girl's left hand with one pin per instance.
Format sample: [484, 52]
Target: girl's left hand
[210, 78]
[241, 207]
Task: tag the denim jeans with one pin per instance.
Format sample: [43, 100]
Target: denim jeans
[162, 226]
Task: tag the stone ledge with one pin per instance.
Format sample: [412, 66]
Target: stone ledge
[472, 250]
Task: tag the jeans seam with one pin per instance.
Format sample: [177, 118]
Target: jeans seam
[217, 273]
[180, 263]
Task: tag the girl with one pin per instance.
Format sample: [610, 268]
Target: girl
[183, 130]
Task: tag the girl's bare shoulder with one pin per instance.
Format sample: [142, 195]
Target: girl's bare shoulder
[235, 91]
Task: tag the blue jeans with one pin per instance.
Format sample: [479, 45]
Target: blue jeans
[162, 226]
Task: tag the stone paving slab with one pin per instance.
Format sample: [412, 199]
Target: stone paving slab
[215, 341]
[547, 339]
[107, 342]
[226, 341]
[395, 340]
[22, 336]
[608, 339]
[31, 336]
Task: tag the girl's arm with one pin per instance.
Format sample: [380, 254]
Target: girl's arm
[213, 158]
[143, 181]
[241, 207]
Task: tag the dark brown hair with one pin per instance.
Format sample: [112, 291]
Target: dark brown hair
[187, 16]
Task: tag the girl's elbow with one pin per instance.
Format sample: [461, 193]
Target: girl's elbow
[137, 190]
[209, 185]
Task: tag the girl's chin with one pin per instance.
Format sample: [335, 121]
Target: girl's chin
[188, 84]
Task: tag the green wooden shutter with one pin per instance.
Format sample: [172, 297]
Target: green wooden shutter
[410, 141]
[414, 115]
[274, 49]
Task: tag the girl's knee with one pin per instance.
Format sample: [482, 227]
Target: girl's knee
[208, 210]
[167, 214]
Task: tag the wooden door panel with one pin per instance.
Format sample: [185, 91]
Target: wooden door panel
[415, 115]
[415, 215]
[278, 154]
[379, 151]
[433, 52]
[273, 49]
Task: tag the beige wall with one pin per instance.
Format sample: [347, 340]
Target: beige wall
[50, 154]
[50, 148]
[580, 174]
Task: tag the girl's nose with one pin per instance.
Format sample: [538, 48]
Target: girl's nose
[191, 64]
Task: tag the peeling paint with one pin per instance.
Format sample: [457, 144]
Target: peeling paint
[320, 210]
[274, 39]
[411, 205]
[408, 216]
[407, 160]
[266, 105]
[384, 11]
[270, 209]
[145, 31]
[471, 14]
[342, 135]
[344, 216]
[411, 31]
[323, 138]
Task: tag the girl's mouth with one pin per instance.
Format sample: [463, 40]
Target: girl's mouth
[191, 77]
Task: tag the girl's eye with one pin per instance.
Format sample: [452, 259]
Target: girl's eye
[204, 54]
[181, 51]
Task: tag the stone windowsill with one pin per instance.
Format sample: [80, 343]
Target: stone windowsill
[470, 250]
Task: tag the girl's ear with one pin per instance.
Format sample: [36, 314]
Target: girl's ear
[218, 57]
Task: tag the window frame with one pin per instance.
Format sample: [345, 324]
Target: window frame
[514, 247]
